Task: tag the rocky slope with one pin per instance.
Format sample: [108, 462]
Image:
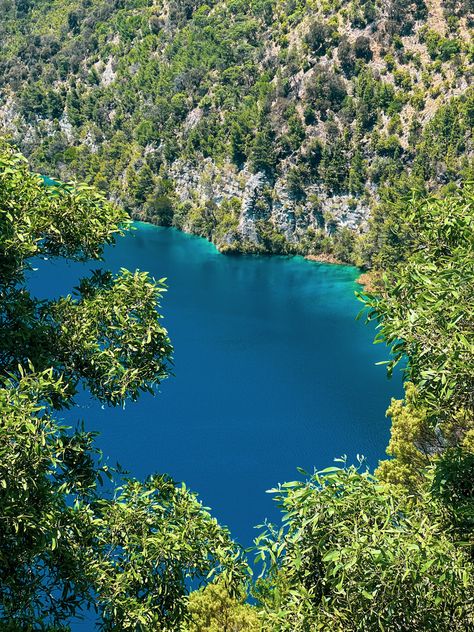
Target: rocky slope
[275, 125]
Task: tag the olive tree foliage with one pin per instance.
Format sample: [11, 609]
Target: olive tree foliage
[107, 334]
[41, 533]
[152, 538]
[425, 313]
[357, 554]
[65, 543]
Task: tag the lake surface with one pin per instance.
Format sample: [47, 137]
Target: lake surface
[272, 371]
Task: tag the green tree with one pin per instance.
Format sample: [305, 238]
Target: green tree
[426, 312]
[237, 144]
[357, 173]
[143, 184]
[319, 37]
[213, 609]
[412, 441]
[355, 554]
[64, 543]
[262, 154]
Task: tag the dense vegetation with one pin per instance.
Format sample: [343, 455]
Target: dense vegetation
[354, 552]
[341, 127]
[64, 542]
[275, 125]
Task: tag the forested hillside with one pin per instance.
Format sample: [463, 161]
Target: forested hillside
[275, 125]
[322, 127]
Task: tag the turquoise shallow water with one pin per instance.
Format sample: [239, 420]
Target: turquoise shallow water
[272, 371]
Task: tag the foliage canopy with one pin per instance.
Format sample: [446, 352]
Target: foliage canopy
[68, 540]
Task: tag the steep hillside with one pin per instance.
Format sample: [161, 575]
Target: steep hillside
[273, 125]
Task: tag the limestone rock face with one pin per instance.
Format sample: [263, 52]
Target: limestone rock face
[254, 206]
[263, 200]
[261, 129]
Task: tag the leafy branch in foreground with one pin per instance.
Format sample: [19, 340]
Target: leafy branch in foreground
[425, 313]
[356, 554]
[65, 546]
[67, 541]
[108, 334]
[72, 221]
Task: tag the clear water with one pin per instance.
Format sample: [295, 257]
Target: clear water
[272, 371]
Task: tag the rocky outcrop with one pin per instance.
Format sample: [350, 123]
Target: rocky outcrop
[267, 201]
[255, 206]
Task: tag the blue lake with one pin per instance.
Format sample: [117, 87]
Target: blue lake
[272, 371]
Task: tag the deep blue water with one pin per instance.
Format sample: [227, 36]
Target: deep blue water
[272, 371]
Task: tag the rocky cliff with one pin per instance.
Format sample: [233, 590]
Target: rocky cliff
[270, 126]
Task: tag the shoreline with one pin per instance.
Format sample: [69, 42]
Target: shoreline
[368, 282]
[326, 258]
[365, 279]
